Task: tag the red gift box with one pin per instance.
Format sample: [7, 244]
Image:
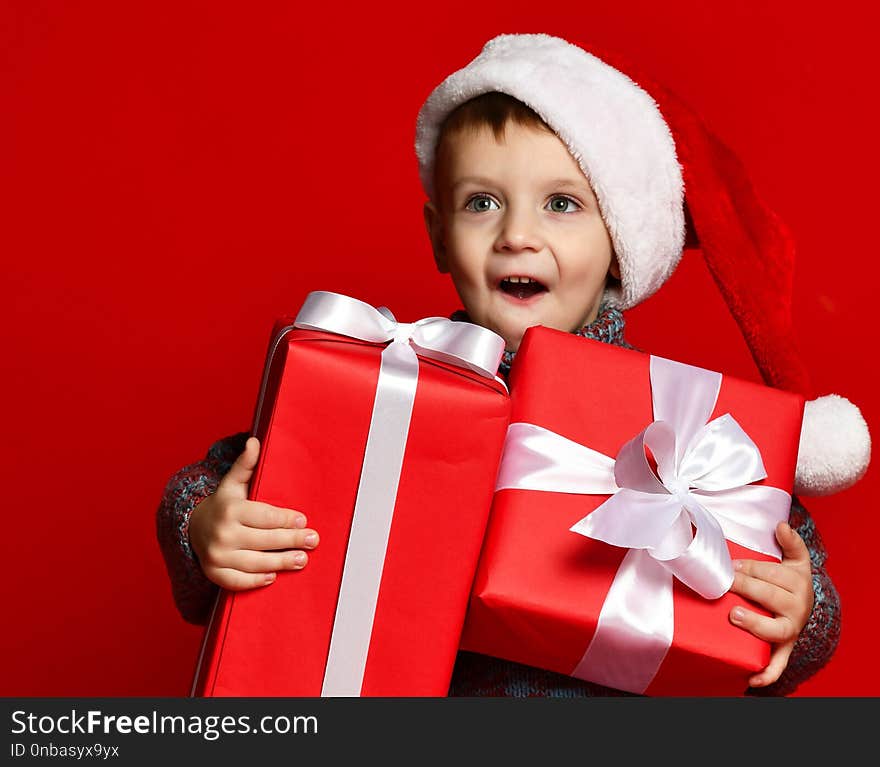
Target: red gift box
[318, 398]
[540, 588]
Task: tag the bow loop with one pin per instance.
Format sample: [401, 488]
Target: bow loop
[722, 456]
[632, 469]
[632, 519]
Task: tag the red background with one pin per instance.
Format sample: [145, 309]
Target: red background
[173, 176]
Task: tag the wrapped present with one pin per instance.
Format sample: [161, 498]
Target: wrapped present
[627, 485]
[387, 436]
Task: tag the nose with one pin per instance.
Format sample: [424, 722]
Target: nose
[520, 230]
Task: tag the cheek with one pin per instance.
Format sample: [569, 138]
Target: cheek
[462, 237]
[592, 230]
[468, 283]
[465, 278]
[464, 257]
[590, 256]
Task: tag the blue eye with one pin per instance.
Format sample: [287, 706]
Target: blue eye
[480, 203]
[560, 204]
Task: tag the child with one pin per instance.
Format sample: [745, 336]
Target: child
[564, 220]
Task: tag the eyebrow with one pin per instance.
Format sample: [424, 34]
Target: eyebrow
[556, 183]
[569, 183]
[478, 180]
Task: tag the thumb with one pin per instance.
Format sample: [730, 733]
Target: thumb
[242, 469]
[793, 546]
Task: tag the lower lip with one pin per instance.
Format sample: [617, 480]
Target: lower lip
[523, 301]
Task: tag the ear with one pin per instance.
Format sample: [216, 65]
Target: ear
[614, 268]
[434, 225]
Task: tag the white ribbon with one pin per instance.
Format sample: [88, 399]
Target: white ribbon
[458, 343]
[702, 483]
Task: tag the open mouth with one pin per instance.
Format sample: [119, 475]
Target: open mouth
[521, 288]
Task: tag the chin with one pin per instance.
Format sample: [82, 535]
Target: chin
[512, 340]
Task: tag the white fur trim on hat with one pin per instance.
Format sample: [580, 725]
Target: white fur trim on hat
[611, 126]
[835, 446]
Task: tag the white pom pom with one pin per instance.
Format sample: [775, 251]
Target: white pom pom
[835, 447]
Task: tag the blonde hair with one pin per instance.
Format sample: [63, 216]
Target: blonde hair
[493, 110]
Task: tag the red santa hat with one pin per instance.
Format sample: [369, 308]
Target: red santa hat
[649, 158]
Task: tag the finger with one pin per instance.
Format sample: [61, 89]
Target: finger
[793, 547]
[267, 561]
[271, 540]
[267, 517]
[236, 580]
[774, 630]
[771, 572]
[770, 596]
[778, 662]
[242, 469]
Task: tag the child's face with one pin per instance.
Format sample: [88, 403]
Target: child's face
[518, 228]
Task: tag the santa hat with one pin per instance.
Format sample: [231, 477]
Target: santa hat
[640, 153]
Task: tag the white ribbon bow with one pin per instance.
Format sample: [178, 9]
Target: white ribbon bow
[458, 343]
[702, 483]
[462, 344]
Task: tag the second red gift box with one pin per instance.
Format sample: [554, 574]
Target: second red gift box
[627, 485]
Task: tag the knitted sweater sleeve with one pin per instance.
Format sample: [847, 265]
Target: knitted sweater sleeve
[193, 593]
[818, 639]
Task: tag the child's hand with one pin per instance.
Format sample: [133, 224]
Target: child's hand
[240, 543]
[784, 589]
